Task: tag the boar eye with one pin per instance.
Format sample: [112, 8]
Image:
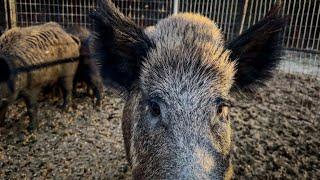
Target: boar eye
[154, 109]
[221, 104]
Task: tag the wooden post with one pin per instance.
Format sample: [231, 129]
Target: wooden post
[12, 13]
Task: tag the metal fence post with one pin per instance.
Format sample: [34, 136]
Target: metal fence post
[176, 7]
[244, 13]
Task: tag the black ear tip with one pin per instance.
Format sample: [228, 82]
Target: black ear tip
[275, 13]
[275, 10]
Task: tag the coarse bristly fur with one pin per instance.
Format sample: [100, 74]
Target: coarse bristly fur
[87, 71]
[34, 57]
[178, 76]
[121, 43]
[39, 44]
[257, 51]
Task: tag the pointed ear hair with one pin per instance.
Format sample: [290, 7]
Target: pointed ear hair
[119, 45]
[258, 51]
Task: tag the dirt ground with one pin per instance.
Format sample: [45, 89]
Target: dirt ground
[277, 135]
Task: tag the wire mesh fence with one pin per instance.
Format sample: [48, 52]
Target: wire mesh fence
[299, 62]
[146, 12]
[66, 12]
[226, 13]
[301, 36]
[303, 32]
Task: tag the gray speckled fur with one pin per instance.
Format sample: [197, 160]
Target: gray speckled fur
[182, 68]
[189, 107]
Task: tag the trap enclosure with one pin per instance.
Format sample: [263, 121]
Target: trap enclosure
[301, 37]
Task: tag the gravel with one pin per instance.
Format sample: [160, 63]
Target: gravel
[276, 136]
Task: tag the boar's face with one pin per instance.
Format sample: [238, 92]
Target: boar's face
[179, 127]
[177, 78]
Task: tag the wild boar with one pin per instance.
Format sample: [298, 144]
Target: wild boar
[34, 57]
[87, 70]
[176, 79]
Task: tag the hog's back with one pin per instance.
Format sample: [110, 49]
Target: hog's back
[47, 47]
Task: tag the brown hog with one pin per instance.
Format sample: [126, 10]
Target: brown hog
[87, 70]
[34, 57]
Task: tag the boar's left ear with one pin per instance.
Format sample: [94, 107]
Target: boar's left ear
[257, 51]
[119, 45]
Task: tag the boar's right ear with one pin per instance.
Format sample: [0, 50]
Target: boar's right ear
[119, 45]
[5, 71]
[257, 51]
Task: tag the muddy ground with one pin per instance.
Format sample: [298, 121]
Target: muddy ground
[277, 135]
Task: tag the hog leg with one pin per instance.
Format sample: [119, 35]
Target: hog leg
[88, 89]
[97, 90]
[67, 86]
[97, 87]
[3, 112]
[97, 94]
[74, 88]
[32, 108]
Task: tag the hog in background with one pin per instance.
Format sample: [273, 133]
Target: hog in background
[87, 71]
[34, 57]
